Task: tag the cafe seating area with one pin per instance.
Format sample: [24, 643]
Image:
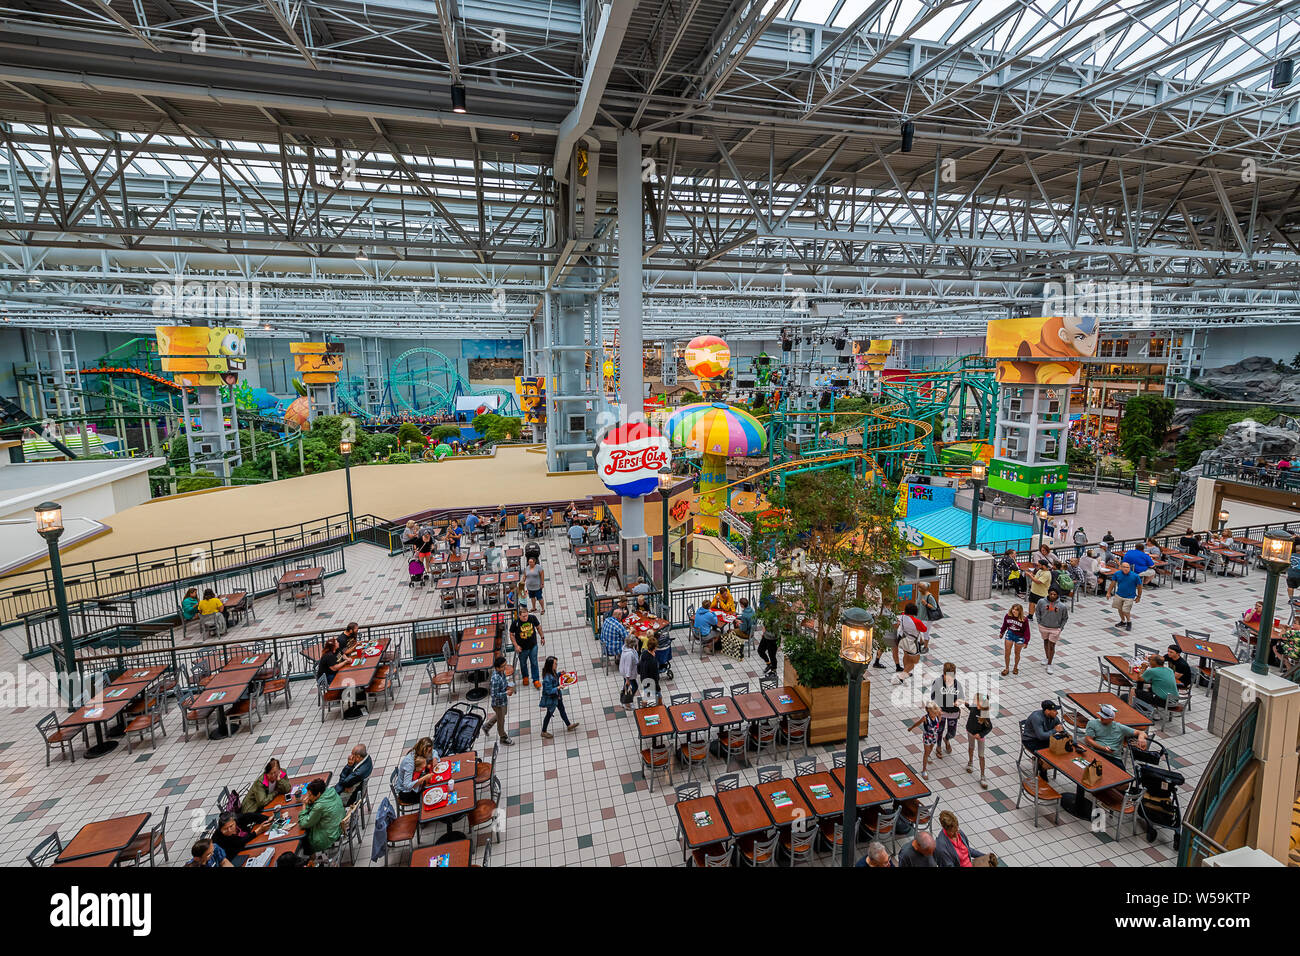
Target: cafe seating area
[727, 745]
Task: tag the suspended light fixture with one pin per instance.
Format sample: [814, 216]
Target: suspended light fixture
[361, 255]
[458, 98]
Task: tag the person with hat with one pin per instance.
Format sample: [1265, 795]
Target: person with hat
[1106, 735]
[1039, 727]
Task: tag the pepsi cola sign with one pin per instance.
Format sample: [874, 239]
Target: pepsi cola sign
[630, 457]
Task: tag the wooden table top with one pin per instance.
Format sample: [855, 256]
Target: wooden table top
[910, 788]
[745, 811]
[754, 706]
[785, 700]
[1123, 665]
[98, 860]
[460, 801]
[870, 792]
[292, 835]
[688, 717]
[212, 697]
[481, 630]
[1196, 647]
[300, 576]
[1091, 703]
[509, 577]
[136, 674]
[1111, 775]
[117, 692]
[1278, 628]
[703, 832]
[822, 793]
[446, 584]
[654, 727]
[795, 809]
[454, 853]
[727, 716]
[104, 836]
[478, 645]
[468, 661]
[94, 713]
[489, 580]
[232, 601]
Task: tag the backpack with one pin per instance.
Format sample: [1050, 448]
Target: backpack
[232, 802]
[1064, 583]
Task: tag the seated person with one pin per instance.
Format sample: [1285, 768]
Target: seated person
[706, 626]
[577, 535]
[494, 558]
[1182, 670]
[613, 635]
[723, 601]
[348, 639]
[550, 518]
[321, 817]
[951, 847]
[1076, 572]
[411, 533]
[1253, 615]
[1190, 543]
[272, 783]
[1044, 555]
[641, 587]
[1141, 564]
[206, 853]
[232, 839]
[1039, 727]
[211, 604]
[571, 513]
[1153, 549]
[1008, 570]
[1155, 683]
[471, 523]
[354, 773]
[1106, 735]
[528, 521]
[331, 662]
[190, 604]
[745, 622]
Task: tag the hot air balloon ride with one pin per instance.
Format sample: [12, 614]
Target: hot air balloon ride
[718, 431]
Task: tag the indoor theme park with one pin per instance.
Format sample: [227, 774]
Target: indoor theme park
[626, 433]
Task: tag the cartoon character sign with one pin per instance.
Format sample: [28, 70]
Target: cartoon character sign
[1046, 350]
[198, 355]
[319, 363]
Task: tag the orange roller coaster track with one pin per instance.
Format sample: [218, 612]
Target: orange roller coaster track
[165, 382]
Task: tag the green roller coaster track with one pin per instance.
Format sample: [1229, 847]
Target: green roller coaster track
[429, 390]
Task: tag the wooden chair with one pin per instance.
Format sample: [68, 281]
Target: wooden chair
[55, 736]
[483, 816]
[148, 845]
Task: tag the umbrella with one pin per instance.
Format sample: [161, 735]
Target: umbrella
[718, 431]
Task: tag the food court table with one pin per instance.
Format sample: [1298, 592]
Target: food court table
[452, 853]
[871, 793]
[290, 833]
[97, 712]
[900, 781]
[785, 701]
[313, 578]
[745, 811]
[1073, 765]
[824, 796]
[754, 706]
[688, 718]
[783, 802]
[1091, 703]
[459, 800]
[290, 799]
[1206, 650]
[653, 721]
[702, 822]
[104, 836]
[475, 663]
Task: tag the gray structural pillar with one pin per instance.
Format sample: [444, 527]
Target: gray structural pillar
[634, 544]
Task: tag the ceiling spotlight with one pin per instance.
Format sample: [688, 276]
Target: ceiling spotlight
[361, 255]
[788, 271]
[909, 131]
[898, 319]
[458, 98]
[1283, 70]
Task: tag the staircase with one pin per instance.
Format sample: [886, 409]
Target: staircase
[1180, 524]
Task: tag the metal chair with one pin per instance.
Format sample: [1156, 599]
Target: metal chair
[711, 692]
[725, 782]
[769, 774]
[148, 844]
[734, 741]
[1108, 678]
[797, 844]
[401, 806]
[440, 680]
[248, 709]
[45, 852]
[484, 815]
[741, 688]
[145, 722]
[804, 766]
[925, 814]
[717, 855]
[870, 755]
[55, 736]
[796, 732]
[758, 850]
[839, 759]
[656, 758]
[885, 827]
[693, 750]
[1121, 802]
[676, 699]
[833, 836]
[1042, 793]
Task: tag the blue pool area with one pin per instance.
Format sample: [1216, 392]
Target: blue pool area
[952, 525]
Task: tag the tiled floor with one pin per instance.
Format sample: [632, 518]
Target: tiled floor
[579, 799]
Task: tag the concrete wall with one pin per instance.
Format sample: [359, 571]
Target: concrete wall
[1226, 346]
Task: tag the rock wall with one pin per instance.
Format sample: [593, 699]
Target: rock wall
[1255, 379]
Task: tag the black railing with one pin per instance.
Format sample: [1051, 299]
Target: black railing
[1225, 766]
[1246, 472]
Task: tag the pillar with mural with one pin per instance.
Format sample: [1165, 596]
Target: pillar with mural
[1039, 360]
[318, 364]
[206, 363]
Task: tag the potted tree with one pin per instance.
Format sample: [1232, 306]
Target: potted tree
[837, 547]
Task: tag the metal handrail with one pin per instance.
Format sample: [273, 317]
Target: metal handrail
[1232, 756]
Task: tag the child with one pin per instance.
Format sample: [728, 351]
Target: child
[502, 688]
[627, 667]
[420, 765]
[929, 725]
[978, 726]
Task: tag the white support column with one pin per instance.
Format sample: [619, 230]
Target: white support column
[635, 544]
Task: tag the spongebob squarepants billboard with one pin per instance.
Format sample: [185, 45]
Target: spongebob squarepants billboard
[199, 355]
[1041, 351]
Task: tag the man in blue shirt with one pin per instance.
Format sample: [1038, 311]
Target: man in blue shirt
[1141, 563]
[471, 524]
[1125, 591]
[577, 535]
[613, 635]
[706, 626]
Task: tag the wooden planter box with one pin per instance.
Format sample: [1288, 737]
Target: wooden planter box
[829, 707]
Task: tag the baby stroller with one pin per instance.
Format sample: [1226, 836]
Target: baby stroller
[664, 655]
[416, 569]
[1158, 807]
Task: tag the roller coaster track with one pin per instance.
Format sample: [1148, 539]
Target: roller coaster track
[888, 420]
[440, 377]
[150, 376]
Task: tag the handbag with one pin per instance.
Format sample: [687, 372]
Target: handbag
[628, 692]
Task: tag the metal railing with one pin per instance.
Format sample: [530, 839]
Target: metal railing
[105, 578]
[1232, 756]
[1262, 476]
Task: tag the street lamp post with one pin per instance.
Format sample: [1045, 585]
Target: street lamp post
[665, 483]
[729, 568]
[49, 525]
[1151, 497]
[978, 473]
[345, 449]
[855, 651]
[1042, 516]
[1223, 520]
[1276, 555]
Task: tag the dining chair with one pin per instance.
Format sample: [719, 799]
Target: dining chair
[839, 759]
[796, 732]
[657, 757]
[804, 766]
[45, 852]
[885, 828]
[709, 693]
[716, 855]
[726, 781]
[55, 736]
[148, 844]
[769, 774]
[694, 750]
[676, 699]
[741, 688]
[758, 849]
[483, 818]
[870, 755]
[797, 844]
[1121, 804]
[1039, 790]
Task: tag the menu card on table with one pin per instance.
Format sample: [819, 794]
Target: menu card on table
[688, 715]
[781, 799]
[652, 720]
[719, 708]
[442, 859]
[820, 791]
[863, 786]
[901, 779]
[703, 819]
[216, 695]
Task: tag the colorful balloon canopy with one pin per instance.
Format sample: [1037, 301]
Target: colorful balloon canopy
[707, 356]
[716, 428]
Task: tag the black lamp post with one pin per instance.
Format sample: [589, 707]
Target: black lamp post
[1151, 497]
[345, 449]
[978, 474]
[665, 484]
[1276, 555]
[1223, 520]
[855, 651]
[49, 525]
[1042, 523]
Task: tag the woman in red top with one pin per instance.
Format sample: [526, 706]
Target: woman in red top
[1015, 633]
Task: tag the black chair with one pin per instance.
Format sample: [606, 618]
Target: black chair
[46, 851]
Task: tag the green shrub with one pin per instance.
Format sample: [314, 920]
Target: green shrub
[198, 481]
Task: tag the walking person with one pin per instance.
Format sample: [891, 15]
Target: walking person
[1015, 634]
[502, 688]
[1125, 591]
[552, 698]
[627, 666]
[525, 632]
[947, 693]
[1051, 615]
[979, 724]
[929, 724]
[911, 639]
[647, 667]
[1080, 536]
[534, 580]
